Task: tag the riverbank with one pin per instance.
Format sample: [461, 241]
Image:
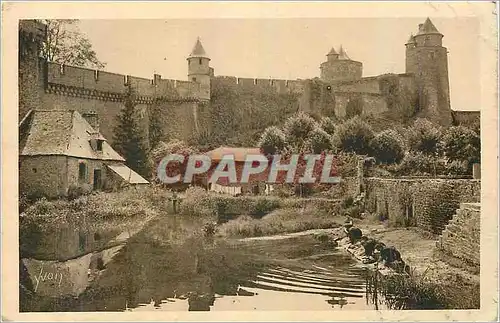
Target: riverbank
[456, 282]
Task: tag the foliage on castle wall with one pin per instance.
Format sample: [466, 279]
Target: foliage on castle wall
[238, 115]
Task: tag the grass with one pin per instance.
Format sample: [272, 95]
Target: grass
[286, 220]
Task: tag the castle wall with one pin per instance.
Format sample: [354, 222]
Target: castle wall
[366, 85]
[257, 85]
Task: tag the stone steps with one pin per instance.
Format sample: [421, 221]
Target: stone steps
[460, 236]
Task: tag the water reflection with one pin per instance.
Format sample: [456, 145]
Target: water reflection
[171, 265]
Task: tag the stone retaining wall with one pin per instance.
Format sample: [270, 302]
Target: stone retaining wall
[461, 237]
[426, 203]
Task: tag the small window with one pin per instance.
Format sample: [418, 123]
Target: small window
[34, 170]
[194, 79]
[82, 171]
[200, 61]
[99, 145]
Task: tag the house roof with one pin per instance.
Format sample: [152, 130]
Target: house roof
[61, 132]
[127, 174]
[427, 28]
[198, 50]
[239, 154]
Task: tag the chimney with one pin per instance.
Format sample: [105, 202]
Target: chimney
[93, 119]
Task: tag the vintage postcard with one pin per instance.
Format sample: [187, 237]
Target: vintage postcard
[249, 161]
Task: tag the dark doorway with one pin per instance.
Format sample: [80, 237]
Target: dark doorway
[97, 179]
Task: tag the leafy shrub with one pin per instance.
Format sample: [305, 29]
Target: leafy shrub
[418, 163]
[272, 141]
[283, 190]
[424, 137]
[328, 125]
[319, 141]
[462, 144]
[354, 135]
[75, 191]
[458, 167]
[387, 147]
[347, 202]
[264, 205]
[297, 129]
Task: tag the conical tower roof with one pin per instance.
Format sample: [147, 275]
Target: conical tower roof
[198, 50]
[343, 54]
[411, 40]
[427, 28]
[332, 52]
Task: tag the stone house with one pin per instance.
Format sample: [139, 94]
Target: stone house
[60, 150]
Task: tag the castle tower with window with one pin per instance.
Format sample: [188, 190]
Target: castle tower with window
[199, 70]
[427, 60]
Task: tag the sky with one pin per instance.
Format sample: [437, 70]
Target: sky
[287, 48]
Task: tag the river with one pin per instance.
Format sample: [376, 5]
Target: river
[171, 266]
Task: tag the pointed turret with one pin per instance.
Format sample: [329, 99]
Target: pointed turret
[199, 70]
[411, 40]
[427, 28]
[198, 50]
[343, 54]
[332, 55]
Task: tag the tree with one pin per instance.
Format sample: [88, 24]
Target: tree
[272, 141]
[388, 147]
[354, 135]
[319, 141]
[297, 130]
[65, 44]
[128, 139]
[462, 144]
[423, 136]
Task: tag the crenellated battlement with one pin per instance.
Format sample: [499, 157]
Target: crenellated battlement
[101, 85]
[259, 84]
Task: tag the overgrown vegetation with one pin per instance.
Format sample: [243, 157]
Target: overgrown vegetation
[285, 220]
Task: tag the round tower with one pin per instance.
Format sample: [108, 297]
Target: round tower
[427, 59]
[339, 67]
[199, 70]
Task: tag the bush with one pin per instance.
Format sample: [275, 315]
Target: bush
[263, 205]
[462, 144]
[75, 191]
[418, 163]
[328, 125]
[354, 135]
[424, 137]
[458, 167]
[297, 130]
[347, 202]
[388, 147]
[319, 141]
[346, 164]
[272, 141]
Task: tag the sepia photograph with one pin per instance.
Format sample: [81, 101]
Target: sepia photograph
[251, 164]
